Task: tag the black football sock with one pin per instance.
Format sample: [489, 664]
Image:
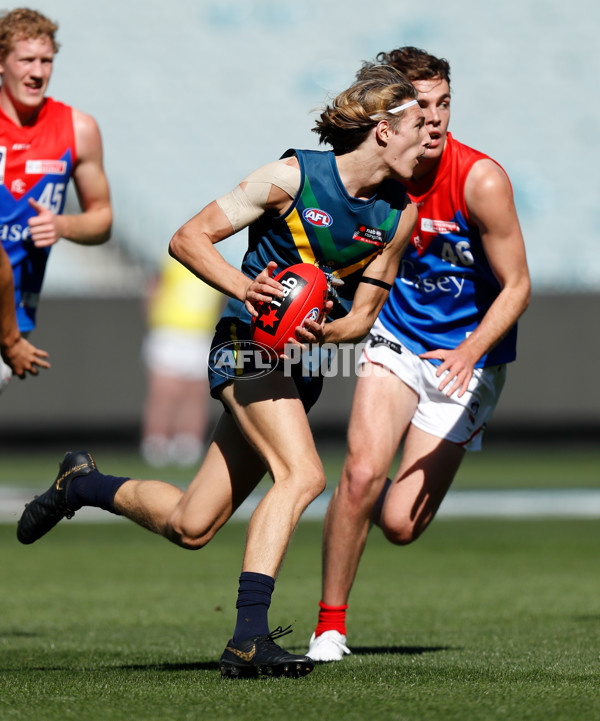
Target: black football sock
[254, 599]
[94, 489]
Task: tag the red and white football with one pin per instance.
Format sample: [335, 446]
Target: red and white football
[304, 297]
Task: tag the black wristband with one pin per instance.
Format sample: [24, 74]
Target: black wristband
[374, 281]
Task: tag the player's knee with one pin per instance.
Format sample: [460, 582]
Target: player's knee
[313, 481]
[320, 483]
[400, 536]
[401, 531]
[189, 541]
[361, 481]
[301, 485]
[189, 535]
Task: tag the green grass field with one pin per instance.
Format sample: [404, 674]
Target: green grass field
[478, 620]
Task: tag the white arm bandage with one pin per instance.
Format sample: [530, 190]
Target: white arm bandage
[244, 205]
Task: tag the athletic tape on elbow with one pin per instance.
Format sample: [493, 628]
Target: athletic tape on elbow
[244, 205]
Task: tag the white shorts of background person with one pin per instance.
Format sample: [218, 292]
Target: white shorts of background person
[176, 407]
[179, 353]
[458, 420]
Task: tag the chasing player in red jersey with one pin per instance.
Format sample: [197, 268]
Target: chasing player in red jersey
[43, 144]
[440, 345]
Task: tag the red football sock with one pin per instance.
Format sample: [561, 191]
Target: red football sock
[331, 618]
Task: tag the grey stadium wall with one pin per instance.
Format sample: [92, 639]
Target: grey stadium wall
[96, 386]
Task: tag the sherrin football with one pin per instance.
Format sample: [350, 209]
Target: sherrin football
[304, 297]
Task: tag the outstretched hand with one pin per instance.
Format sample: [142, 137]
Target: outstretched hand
[23, 357]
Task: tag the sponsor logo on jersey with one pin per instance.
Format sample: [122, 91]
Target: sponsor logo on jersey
[21, 146]
[317, 217]
[46, 167]
[452, 285]
[14, 233]
[439, 226]
[374, 236]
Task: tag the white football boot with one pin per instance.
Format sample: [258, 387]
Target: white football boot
[329, 646]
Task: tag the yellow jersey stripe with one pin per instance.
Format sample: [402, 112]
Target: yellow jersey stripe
[300, 238]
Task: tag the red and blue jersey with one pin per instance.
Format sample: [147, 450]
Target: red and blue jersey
[445, 284]
[324, 225]
[35, 162]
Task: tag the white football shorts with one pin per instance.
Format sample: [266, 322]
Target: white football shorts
[459, 420]
[176, 353]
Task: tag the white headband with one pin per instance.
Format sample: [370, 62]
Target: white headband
[396, 109]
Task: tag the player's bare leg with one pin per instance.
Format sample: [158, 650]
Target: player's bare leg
[371, 450]
[426, 472]
[189, 518]
[277, 427]
[403, 508]
[229, 473]
[273, 420]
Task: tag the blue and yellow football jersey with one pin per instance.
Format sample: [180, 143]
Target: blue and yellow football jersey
[324, 225]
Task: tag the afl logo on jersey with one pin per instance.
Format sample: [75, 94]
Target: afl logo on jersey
[317, 217]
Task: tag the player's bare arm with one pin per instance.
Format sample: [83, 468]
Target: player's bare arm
[193, 245]
[93, 225]
[490, 203]
[21, 355]
[270, 187]
[371, 294]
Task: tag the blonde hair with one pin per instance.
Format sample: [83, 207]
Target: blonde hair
[24, 24]
[346, 122]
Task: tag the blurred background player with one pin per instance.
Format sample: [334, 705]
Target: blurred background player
[377, 132]
[435, 361]
[19, 355]
[43, 144]
[182, 313]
